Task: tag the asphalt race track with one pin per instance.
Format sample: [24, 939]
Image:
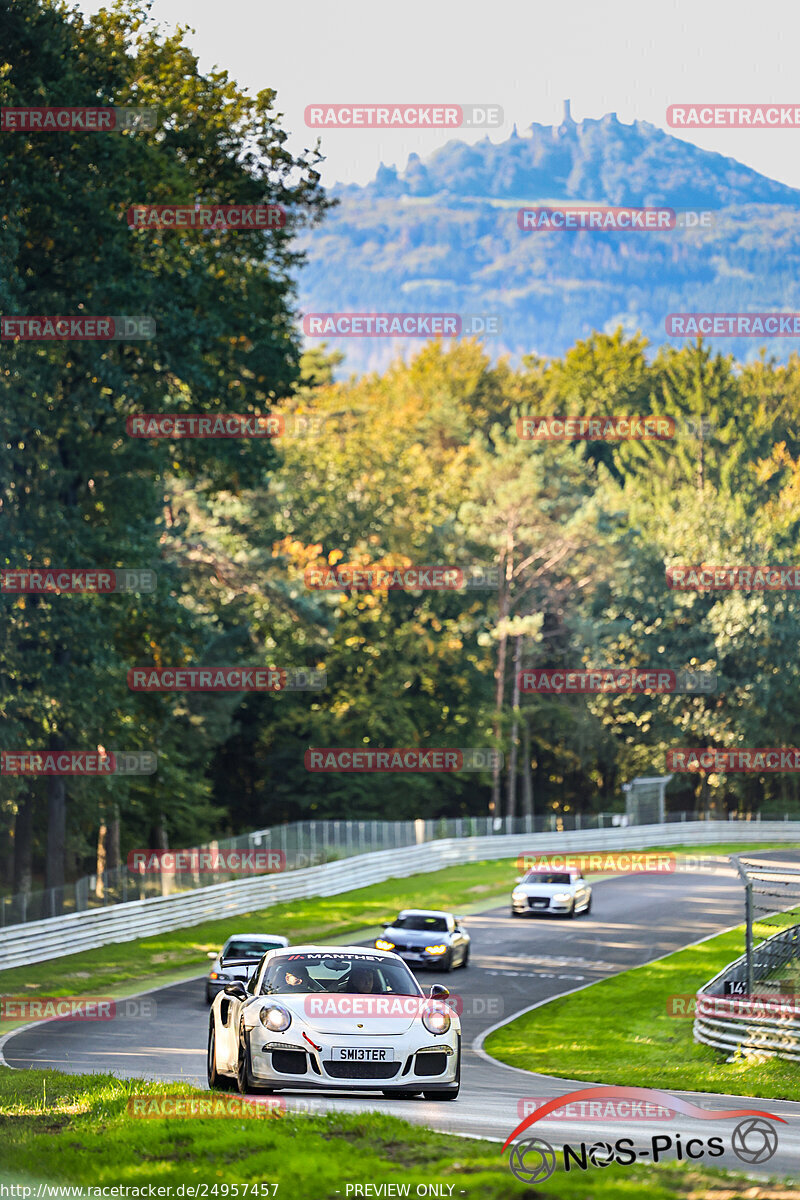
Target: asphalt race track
[514, 964]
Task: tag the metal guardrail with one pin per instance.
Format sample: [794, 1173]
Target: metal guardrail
[744, 1025]
[39, 941]
[301, 843]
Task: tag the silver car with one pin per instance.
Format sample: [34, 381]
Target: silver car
[238, 959]
[565, 893]
[426, 938]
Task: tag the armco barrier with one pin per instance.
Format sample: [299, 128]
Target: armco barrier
[745, 1027]
[54, 937]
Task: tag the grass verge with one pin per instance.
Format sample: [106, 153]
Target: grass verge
[619, 1031]
[76, 1129]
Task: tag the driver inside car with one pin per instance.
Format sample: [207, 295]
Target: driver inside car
[361, 979]
[293, 978]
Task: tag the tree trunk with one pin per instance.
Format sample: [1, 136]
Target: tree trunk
[56, 825]
[507, 562]
[23, 846]
[112, 841]
[527, 775]
[102, 832]
[511, 797]
[162, 842]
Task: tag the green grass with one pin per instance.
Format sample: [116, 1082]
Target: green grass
[76, 1129]
[122, 968]
[618, 1031]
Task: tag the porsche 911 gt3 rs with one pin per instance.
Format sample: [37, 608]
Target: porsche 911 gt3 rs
[326, 1018]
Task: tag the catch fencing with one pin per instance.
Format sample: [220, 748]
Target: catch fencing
[39, 941]
[301, 844]
[752, 1007]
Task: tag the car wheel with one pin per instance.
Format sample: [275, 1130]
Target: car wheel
[514, 913]
[400, 1095]
[447, 962]
[588, 908]
[217, 1082]
[465, 959]
[571, 913]
[451, 1092]
[243, 1070]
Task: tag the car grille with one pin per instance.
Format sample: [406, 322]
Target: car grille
[538, 901]
[430, 1064]
[361, 1070]
[290, 1062]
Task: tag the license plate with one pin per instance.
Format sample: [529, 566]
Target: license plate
[363, 1054]
[540, 903]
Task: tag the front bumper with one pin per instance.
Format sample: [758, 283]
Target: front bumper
[416, 1065]
[533, 904]
[416, 957]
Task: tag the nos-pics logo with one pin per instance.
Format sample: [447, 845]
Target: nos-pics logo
[754, 1140]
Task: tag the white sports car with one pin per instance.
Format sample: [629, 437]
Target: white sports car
[334, 1018]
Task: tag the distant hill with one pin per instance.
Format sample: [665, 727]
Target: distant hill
[442, 236]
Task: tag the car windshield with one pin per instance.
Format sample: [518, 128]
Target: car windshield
[422, 922]
[249, 948]
[548, 877]
[320, 972]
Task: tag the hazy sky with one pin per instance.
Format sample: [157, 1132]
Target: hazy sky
[632, 58]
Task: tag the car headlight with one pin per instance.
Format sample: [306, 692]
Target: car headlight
[275, 1018]
[519, 895]
[436, 1020]
[562, 897]
[382, 944]
[440, 949]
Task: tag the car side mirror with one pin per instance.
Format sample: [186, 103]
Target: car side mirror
[237, 990]
[438, 992]
[519, 879]
[211, 954]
